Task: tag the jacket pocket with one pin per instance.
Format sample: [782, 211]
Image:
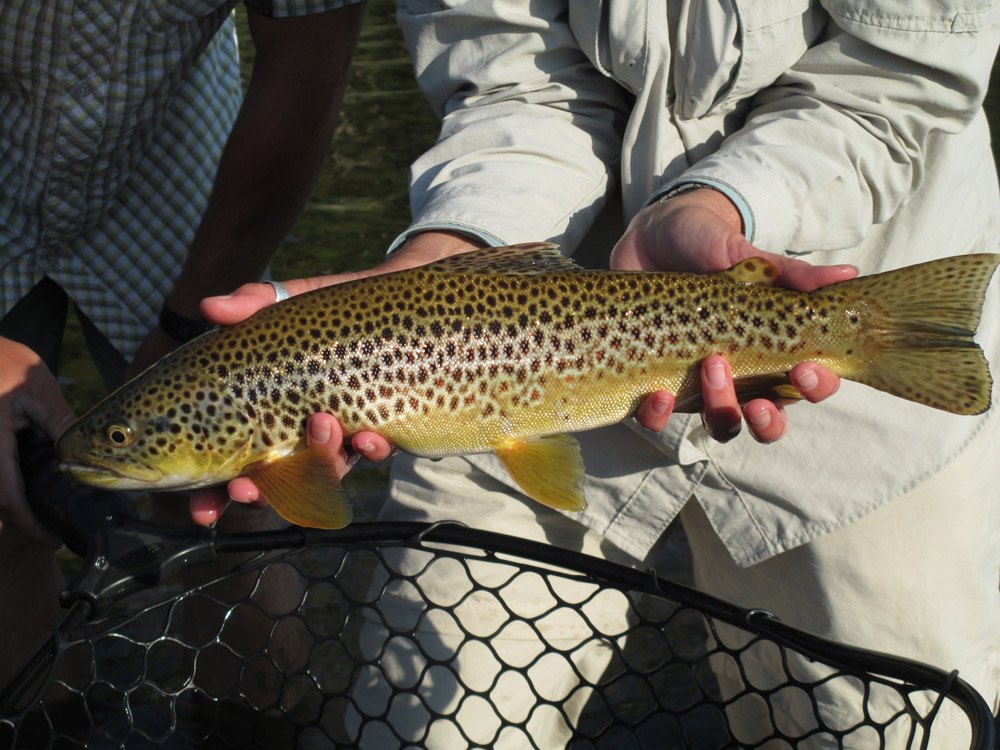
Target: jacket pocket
[614, 37]
[727, 55]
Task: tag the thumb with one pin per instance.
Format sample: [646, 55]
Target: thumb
[797, 274]
[241, 304]
[227, 309]
[43, 404]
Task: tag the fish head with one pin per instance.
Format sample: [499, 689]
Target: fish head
[170, 428]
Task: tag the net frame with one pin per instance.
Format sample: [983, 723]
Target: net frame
[127, 577]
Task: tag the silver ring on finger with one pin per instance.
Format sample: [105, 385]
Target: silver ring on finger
[280, 291]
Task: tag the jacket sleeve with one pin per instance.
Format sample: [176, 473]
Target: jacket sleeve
[839, 141]
[530, 137]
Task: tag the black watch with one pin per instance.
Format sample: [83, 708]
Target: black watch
[180, 328]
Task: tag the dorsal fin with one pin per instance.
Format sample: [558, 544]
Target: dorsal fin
[525, 259]
[753, 271]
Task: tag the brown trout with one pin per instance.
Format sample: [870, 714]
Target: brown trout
[507, 350]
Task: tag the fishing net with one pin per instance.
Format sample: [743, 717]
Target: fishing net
[407, 635]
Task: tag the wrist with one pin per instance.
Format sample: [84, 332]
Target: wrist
[426, 247]
[181, 327]
[720, 197]
[456, 236]
[441, 242]
[718, 203]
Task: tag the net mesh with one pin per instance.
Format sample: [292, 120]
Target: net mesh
[447, 637]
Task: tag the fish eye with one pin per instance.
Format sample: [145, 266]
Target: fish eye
[119, 434]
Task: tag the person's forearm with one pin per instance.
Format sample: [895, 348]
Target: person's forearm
[274, 154]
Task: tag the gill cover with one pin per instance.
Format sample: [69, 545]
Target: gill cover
[164, 430]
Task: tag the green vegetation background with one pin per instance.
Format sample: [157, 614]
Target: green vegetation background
[360, 203]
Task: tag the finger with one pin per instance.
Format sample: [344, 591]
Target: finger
[797, 274]
[53, 419]
[767, 421]
[815, 383]
[655, 410]
[722, 416]
[207, 506]
[243, 490]
[227, 309]
[245, 301]
[371, 446]
[45, 406]
[14, 508]
[323, 431]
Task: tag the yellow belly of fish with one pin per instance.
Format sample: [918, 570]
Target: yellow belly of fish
[543, 406]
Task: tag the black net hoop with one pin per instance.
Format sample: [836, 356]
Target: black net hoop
[319, 639]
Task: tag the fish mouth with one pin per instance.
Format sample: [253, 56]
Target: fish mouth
[138, 475]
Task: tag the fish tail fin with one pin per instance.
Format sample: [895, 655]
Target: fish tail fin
[933, 312]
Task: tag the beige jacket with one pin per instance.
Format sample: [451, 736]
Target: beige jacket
[848, 131]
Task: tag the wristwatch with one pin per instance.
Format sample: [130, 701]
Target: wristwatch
[180, 328]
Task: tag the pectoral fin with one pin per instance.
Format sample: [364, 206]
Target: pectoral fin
[548, 469]
[303, 489]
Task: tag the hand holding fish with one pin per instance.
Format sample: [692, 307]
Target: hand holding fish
[29, 395]
[699, 231]
[424, 248]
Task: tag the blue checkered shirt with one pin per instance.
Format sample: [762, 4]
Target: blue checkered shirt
[113, 115]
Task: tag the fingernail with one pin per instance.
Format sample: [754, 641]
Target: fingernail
[760, 419]
[245, 499]
[715, 375]
[320, 431]
[807, 379]
[660, 405]
[365, 446]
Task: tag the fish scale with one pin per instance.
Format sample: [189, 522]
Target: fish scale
[507, 350]
[512, 370]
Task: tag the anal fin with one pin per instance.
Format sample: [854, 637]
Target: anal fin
[548, 469]
[303, 488]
